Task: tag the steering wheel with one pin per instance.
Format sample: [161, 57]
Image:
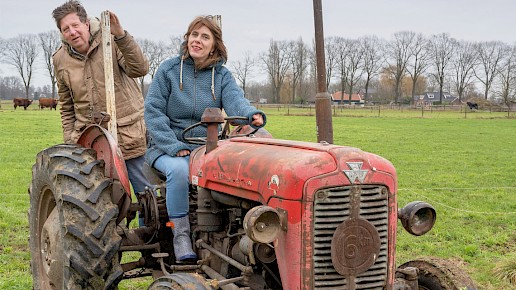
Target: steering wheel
[225, 133]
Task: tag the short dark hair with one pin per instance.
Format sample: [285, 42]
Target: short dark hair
[71, 6]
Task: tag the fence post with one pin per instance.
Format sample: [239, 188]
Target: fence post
[108, 74]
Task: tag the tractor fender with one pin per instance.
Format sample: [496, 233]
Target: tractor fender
[99, 139]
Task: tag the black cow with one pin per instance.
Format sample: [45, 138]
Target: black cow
[472, 105]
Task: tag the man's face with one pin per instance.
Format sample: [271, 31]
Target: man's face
[76, 33]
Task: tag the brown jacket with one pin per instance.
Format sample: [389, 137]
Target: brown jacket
[82, 93]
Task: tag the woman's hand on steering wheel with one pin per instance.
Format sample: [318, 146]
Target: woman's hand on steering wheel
[183, 153]
[257, 120]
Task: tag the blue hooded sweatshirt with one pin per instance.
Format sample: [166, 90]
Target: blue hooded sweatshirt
[177, 98]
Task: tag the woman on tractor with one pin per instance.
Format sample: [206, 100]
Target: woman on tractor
[182, 88]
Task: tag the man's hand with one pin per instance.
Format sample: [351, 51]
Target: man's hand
[116, 27]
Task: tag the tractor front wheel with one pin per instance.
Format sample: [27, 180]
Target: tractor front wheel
[180, 281]
[440, 274]
[73, 238]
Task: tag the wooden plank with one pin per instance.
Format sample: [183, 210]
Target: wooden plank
[108, 74]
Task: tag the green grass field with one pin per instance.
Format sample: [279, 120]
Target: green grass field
[463, 163]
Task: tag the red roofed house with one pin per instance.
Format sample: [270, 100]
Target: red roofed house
[339, 98]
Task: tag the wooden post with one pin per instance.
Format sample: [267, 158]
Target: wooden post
[218, 20]
[108, 74]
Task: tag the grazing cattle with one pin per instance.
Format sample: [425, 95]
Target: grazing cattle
[472, 105]
[48, 103]
[19, 102]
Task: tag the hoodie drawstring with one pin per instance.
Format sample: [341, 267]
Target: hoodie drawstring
[181, 75]
[212, 79]
[213, 82]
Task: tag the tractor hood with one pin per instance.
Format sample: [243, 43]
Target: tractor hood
[262, 168]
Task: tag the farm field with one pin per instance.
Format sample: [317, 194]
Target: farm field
[462, 162]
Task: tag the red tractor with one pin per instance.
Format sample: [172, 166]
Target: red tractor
[265, 214]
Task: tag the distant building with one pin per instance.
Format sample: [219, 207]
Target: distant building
[339, 98]
[430, 98]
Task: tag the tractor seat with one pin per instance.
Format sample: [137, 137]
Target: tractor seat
[153, 175]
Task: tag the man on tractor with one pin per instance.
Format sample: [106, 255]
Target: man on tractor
[79, 70]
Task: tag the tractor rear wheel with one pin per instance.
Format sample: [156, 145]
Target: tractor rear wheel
[73, 239]
[440, 274]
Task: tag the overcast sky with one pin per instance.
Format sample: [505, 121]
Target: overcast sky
[250, 25]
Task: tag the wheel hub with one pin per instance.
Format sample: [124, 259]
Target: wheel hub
[51, 250]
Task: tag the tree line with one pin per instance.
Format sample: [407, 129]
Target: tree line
[383, 70]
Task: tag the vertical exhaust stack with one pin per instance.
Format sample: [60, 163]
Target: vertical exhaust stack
[322, 98]
[212, 117]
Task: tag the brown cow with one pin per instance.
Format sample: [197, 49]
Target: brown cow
[48, 103]
[19, 102]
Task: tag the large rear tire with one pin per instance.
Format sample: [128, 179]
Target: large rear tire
[73, 238]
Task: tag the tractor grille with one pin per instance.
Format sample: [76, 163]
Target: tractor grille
[331, 208]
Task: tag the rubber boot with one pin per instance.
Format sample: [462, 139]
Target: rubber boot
[182, 243]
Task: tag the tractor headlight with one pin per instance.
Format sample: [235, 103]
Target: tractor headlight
[417, 217]
[262, 224]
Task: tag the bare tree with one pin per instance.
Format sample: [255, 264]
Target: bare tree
[299, 63]
[373, 59]
[11, 86]
[488, 55]
[312, 74]
[3, 43]
[243, 69]
[156, 52]
[331, 47]
[462, 63]
[506, 73]
[419, 60]
[341, 48]
[354, 64]
[2, 91]
[21, 53]
[50, 42]
[276, 62]
[442, 48]
[398, 54]
[174, 44]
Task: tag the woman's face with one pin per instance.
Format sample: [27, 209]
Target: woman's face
[200, 43]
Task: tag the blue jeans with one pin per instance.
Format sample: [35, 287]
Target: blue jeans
[136, 176]
[176, 170]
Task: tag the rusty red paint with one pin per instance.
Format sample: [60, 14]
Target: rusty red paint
[251, 168]
[107, 149]
[290, 248]
[286, 175]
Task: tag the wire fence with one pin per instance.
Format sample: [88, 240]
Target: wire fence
[417, 192]
[395, 110]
